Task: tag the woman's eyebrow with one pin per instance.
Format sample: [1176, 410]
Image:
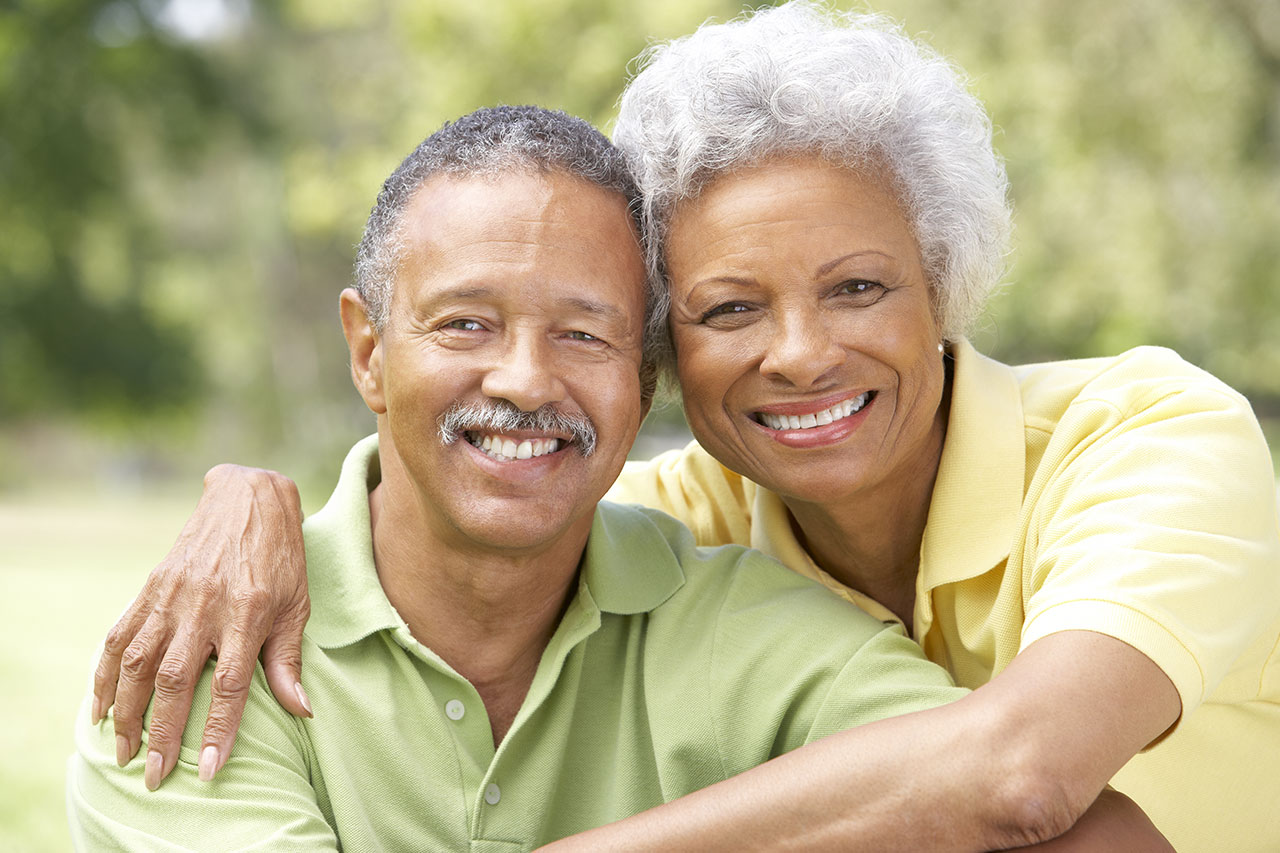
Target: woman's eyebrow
[830, 265]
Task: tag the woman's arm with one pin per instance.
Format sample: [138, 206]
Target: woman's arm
[1017, 762]
[236, 579]
[1113, 823]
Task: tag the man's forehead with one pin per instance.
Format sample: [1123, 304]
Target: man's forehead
[465, 232]
[513, 191]
[541, 208]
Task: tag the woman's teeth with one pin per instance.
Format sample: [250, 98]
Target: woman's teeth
[826, 416]
[507, 449]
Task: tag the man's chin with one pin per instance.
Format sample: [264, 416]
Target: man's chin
[507, 526]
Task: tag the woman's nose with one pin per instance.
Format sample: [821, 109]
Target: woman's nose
[801, 351]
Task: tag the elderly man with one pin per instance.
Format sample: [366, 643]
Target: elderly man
[495, 660]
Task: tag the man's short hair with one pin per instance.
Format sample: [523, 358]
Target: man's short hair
[489, 141]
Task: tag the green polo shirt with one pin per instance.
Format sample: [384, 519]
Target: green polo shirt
[673, 667]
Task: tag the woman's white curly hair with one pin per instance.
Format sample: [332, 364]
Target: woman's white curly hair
[852, 88]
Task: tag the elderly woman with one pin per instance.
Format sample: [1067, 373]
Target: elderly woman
[1091, 545]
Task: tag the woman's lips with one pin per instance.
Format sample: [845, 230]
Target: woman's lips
[810, 420]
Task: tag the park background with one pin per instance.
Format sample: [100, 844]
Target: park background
[182, 183]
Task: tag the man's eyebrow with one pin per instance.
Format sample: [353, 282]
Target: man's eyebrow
[592, 306]
[465, 293]
[462, 293]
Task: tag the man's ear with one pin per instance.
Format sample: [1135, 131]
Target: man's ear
[365, 345]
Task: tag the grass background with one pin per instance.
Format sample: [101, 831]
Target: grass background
[69, 564]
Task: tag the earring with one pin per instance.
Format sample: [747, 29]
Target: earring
[940, 349]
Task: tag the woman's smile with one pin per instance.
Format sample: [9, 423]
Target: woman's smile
[805, 425]
[793, 416]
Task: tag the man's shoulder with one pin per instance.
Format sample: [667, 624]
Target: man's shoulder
[758, 660]
[727, 588]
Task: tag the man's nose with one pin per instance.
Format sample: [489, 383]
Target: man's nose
[525, 373]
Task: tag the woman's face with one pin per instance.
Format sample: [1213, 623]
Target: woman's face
[806, 343]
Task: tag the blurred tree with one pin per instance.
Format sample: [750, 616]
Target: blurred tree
[1143, 146]
[183, 182]
[92, 93]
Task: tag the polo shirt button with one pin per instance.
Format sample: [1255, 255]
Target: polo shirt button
[492, 794]
[454, 709]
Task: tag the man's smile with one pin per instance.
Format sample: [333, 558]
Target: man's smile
[506, 448]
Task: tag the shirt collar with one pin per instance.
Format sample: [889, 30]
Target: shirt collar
[977, 496]
[347, 600]
[628, 566]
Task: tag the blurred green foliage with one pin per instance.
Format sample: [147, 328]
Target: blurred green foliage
[182, 183]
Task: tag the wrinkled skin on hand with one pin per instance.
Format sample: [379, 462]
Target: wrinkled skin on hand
[234, 583]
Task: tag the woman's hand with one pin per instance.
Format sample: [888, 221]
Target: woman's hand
[233, 583]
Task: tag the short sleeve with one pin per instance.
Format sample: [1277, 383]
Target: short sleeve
[262, 798]
[1160, 529]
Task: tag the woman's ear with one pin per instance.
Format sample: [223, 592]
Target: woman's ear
[365, 346]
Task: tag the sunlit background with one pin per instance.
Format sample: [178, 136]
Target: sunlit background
[182, 183]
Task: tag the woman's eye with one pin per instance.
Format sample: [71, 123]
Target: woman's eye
[726, 309]
[865, 291]
[465, 325]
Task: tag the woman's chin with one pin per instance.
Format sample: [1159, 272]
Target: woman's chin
[814, 469]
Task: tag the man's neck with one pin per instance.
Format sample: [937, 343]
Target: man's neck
[489, 615]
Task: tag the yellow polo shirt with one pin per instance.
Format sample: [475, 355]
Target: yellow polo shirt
[1132, 496]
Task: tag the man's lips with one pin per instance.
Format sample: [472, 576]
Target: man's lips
[795, 416]
[511, 447]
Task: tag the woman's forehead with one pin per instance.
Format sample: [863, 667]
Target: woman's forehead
[787, 201]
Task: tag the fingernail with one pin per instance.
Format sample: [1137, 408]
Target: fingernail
[302, 697]
[155, 770]
[208, 763]
[95, 713]
[122, 750]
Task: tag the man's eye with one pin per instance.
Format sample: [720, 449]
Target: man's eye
[465, 325]
[581, 336]
[726, 309]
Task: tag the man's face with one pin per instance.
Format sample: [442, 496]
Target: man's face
[525, 291]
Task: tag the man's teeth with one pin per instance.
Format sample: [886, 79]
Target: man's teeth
[826, 416]
[506, 449]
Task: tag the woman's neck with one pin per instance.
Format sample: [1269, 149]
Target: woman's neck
[869, 540]
[872, 549]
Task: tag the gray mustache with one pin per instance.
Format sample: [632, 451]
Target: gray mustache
[504, 416]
